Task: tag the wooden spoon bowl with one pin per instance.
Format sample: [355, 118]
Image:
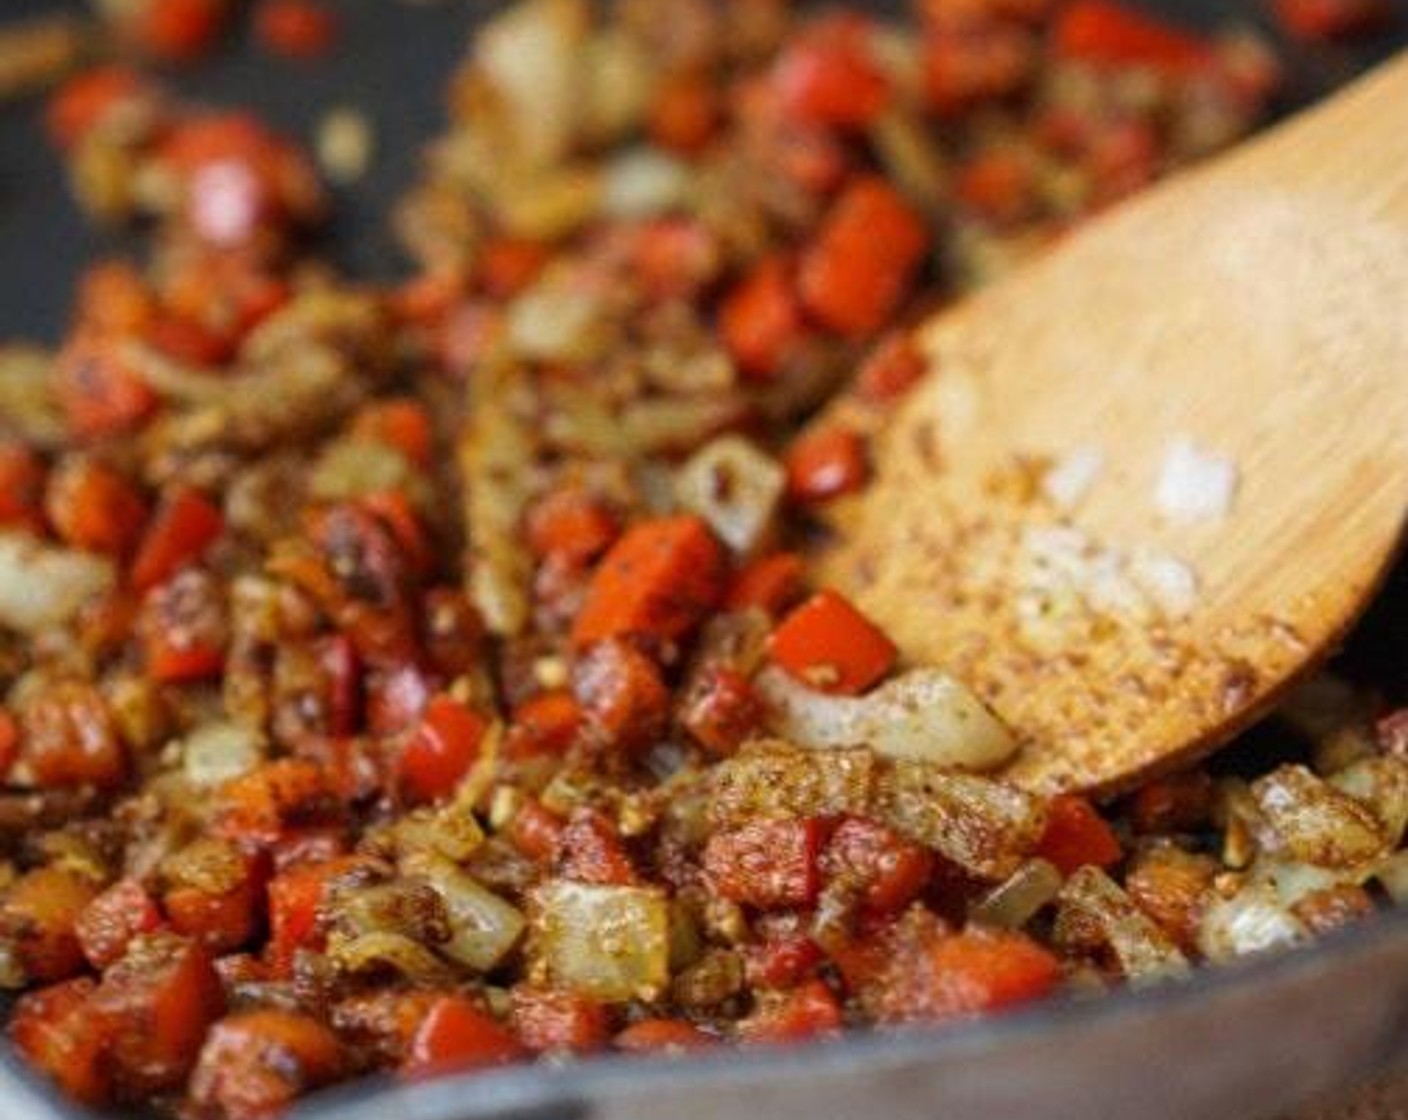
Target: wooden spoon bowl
[1255, 309]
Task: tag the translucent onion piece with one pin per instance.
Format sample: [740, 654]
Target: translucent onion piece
[1253, 920]
[1016, 901]
[735, 487]
[922, 714]
[643, 183]
[452, 832]
[382, 949]
[1313, 822]
[218, 752]
[483, 927]
[986, 827]
[1381, 783]
[42, 588]
[607, 942]
[773, 779]
[1091, 902]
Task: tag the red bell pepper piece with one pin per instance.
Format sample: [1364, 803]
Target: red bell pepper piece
[441, 751]
[656, 583]
[829, 645]
[1077, 835]
[761, 319]
[768, 864]
[824, 464]
[185, 525]
[856, 273]
[455, 1036]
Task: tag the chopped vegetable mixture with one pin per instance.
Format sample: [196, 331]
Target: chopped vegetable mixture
[426, 678]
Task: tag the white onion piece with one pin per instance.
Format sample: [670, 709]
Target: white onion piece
[1253, 920]
[484, 928]
[1313, 822]
[1381, 783]
[1017, 900]
[1092, 900]
[607, 942]
[1393, 876]
[923, 714]
[643, 183]
[556, 321]
[735, 488]
[218, 752]
[41, 587]
[531, 55]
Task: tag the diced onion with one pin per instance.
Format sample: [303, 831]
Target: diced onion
[643, 183]
[984, 826]
[381, 949]
[42, 588]
[1092, 901]
[1392, 874]
[1313, 822]
[217, 752]
[1251, 921]
[735, 487]
[483, 927]
[1016, 901]
[1381, 783]
[557, 322]
[611, 943]
[922, 714]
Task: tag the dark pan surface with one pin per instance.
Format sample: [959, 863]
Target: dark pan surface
[1246, 1042]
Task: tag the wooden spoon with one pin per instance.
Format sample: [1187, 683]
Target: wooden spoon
[1255, 308]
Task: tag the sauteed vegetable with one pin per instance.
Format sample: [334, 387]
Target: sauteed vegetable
[429, 677]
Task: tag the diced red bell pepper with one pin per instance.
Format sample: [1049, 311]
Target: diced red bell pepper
[1076, 835]
[214, 893]
[54, 1030]
[256, 1063]
[570, 524]
[295, 897]
[190, 341]
[155, 1006]
[537, 832]
[93, 507]
[508, 265]
[9, 742]
[185, 525]
[456, 1036]
[891, 368]
[22, 477]
[441, 751]
[656, 583]
[39, 918]
[761, 319]
[84, 101]
[590, 850]
[674, 258]
[554, 1021]
[824, 464]
[400, 423]
[934, 976]
[623, 695]
[684, 114]
[546, 725]
[300, 29]
[1117, 34]
[889, 871]
[829, 645]
[1319, 21]
[111, 920]
[966, 66]
[829, 76]
[998, 185]
[803, 1013]
[184, 630]
[770, 584]
[781, 962]
[67, 738]
[767, 864]
[662, 1036]
[257, 807]
[97, 392]
[722, 710]
[179, 30]
[856, 273]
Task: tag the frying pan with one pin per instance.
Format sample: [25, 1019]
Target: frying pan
[1247, 1041]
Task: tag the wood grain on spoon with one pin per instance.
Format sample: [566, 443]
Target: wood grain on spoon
[1257, 307]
